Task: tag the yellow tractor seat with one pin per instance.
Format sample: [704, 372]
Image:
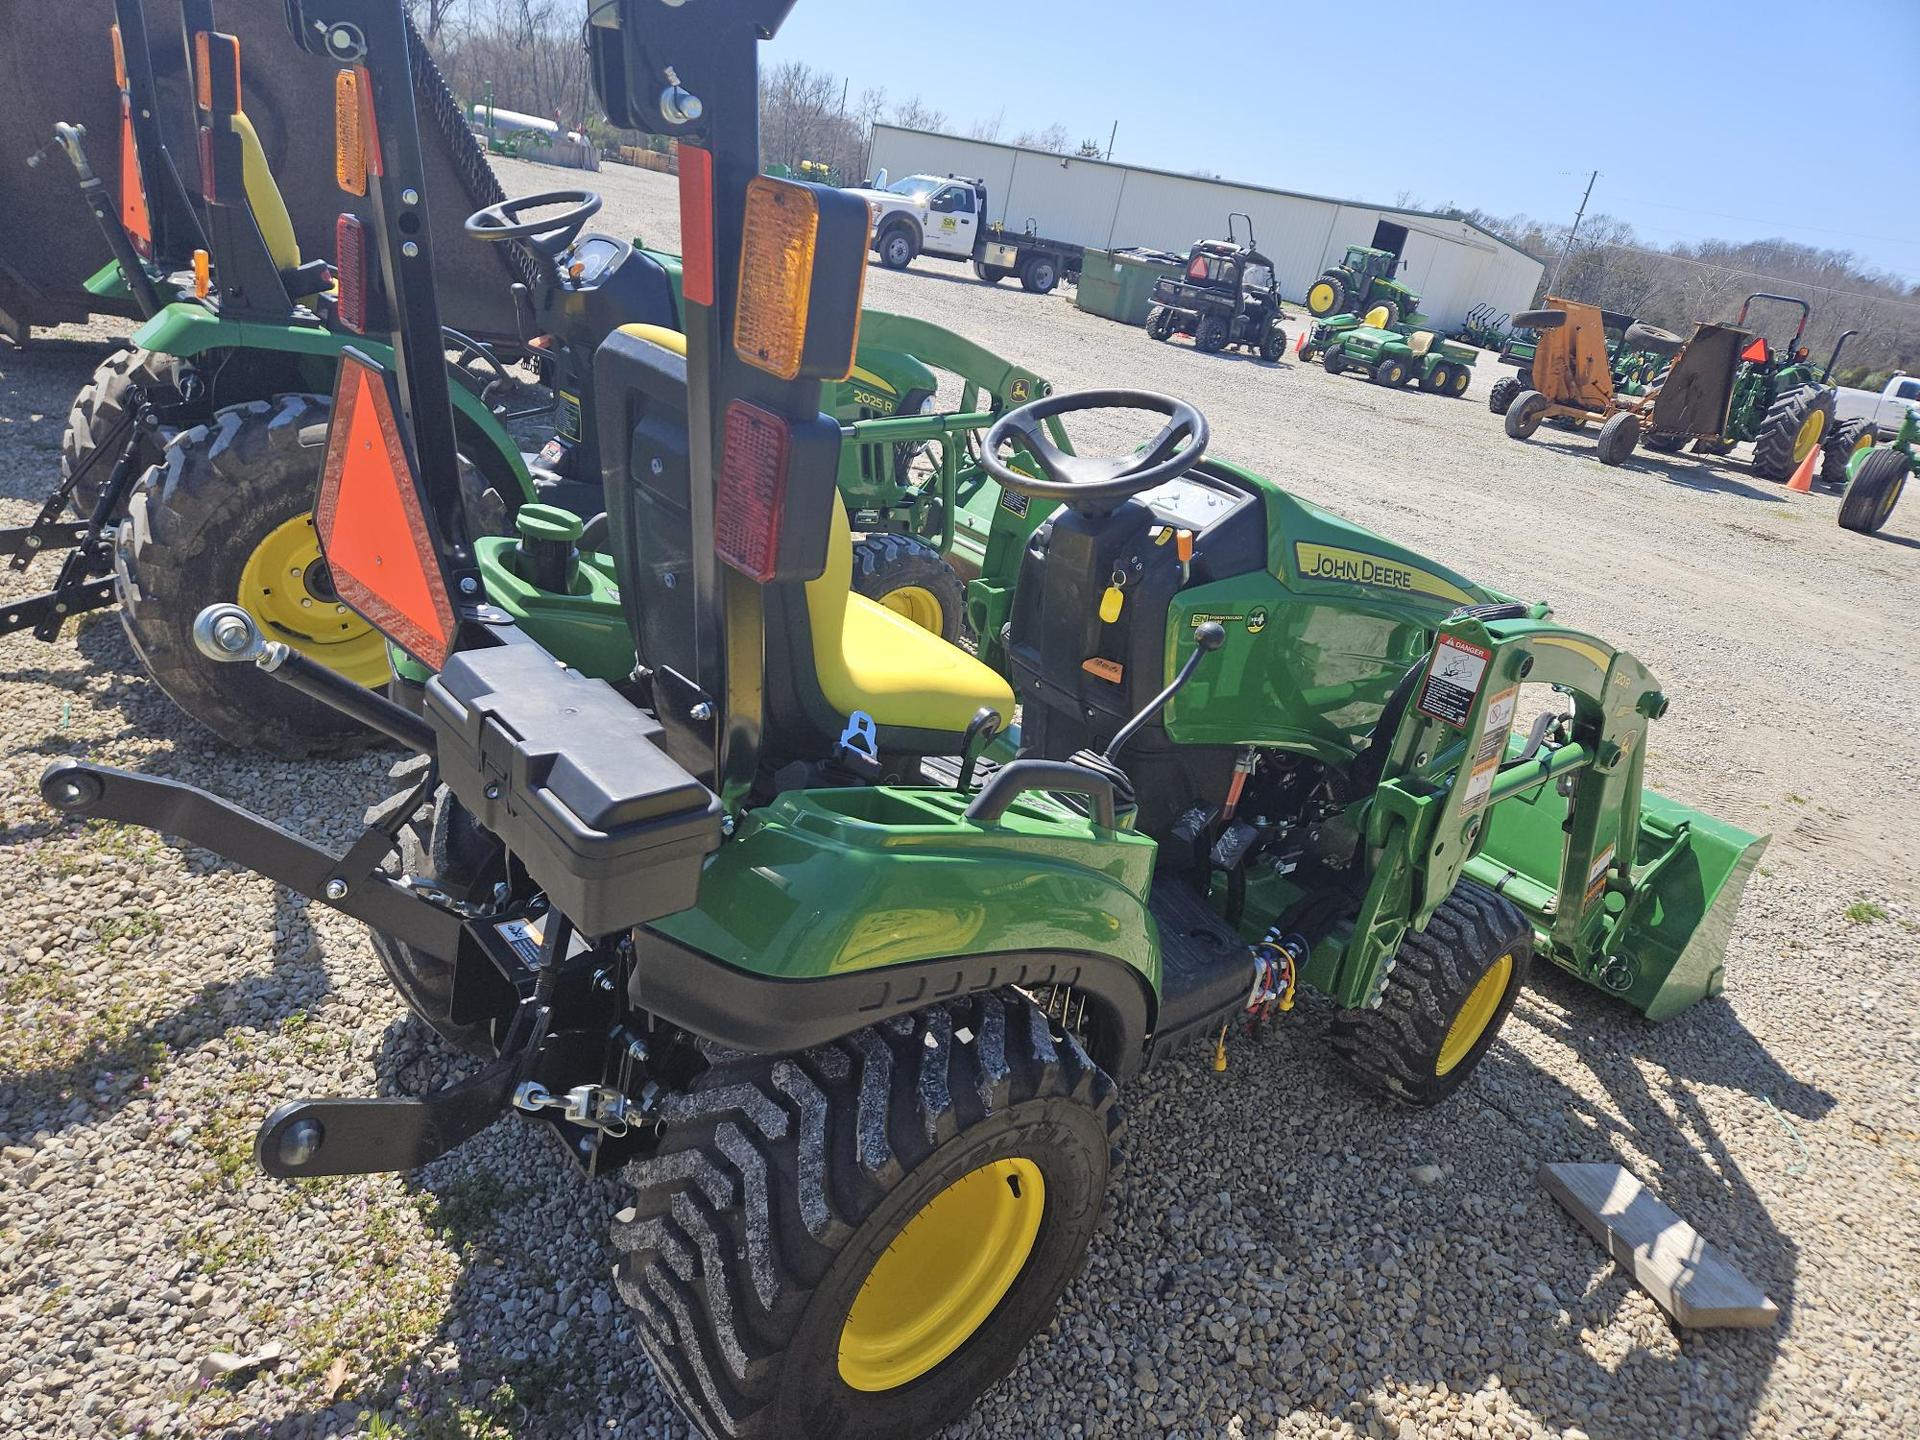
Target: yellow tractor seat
[264, 199]
[1376, 317]
[1420, 342]
[867, 658]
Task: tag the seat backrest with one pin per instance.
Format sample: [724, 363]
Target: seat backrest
[1420, 342]
[264, 199]
[1377, 317]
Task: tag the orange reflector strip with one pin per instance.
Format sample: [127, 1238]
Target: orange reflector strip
[696, 224]
[134, 218]
[202, 274]
[203, 69]
[119, 58]
[750, 502]
[371, 524]
[778, 238]
[369, 123]
[349, 135]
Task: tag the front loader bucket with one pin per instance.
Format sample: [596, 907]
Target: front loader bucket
[1660, 947]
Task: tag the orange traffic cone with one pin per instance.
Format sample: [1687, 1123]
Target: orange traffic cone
[1803, 477]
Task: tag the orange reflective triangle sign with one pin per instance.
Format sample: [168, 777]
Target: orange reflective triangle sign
[371, 524]
[1756, 353]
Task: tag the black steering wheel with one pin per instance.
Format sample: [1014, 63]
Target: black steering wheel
[1095, 484]
[549, 236]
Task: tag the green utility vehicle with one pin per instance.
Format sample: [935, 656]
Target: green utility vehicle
[1876, 476]
[1226, 296]
[794, 931]
[1361, 282]
[1389, 353]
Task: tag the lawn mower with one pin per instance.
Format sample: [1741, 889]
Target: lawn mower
[1876, 475]
[1361, 282]
[795, 931]
[1226, 296]
[1636, 354]
[1485, 327]
[1390, 353]
[205, 429]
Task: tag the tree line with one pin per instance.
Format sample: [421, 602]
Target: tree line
[528, 54]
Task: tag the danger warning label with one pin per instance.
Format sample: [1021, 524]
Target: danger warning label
[1453, 680]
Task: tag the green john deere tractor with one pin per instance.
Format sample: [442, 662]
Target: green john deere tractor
[794, 934]
[1876, 476]
[1785, 406]
[1361, 282]
[191, 457]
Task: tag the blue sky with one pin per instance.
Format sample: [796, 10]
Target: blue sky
[1682, 106]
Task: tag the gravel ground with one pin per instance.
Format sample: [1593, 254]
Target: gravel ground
[1279, 1261]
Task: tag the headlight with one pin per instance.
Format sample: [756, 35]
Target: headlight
[927, 405]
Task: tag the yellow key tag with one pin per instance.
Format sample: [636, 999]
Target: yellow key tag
[1111, 603]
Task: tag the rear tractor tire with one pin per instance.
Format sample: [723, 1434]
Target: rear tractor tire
[1874, 491]
[858, 1240]
[1503, 392]
[1526, 412]
[1327, 296]
[1618, 437]
[101, 404]
[226, 517]
[1848, 439]
[1795, 426]
[906, 575]
[1450, 990]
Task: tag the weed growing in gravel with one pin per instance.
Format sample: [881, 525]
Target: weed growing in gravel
[462, 1212]
[134, 925]
[1864, 912]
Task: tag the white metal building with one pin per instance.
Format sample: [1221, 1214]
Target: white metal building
[1451, 264]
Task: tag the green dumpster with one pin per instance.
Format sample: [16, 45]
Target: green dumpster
[1119, 283]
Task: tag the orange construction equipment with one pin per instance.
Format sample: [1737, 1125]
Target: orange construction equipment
[1803, 477]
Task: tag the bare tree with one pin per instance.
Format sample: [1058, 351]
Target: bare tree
[988, 130]
[914, 114]
[1053, 139]
[1090, 150]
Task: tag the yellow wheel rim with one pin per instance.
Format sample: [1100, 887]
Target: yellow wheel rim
[1860, 446]
[286, 587]
[1320, 298]
[1811, 429]
[918, 604]
[942, 1276]
[1471, 1022]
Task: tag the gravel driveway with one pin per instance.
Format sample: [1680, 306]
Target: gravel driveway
[1273, 1265]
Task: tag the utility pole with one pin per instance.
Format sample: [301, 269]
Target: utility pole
[1578, 215]
[1110, 134]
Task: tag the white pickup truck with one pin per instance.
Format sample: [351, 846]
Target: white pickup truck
[1885, 409]
[945, 216]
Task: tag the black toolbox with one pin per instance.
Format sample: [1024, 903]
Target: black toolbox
[569, 776]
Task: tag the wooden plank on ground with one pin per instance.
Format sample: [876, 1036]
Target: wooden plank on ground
[1683, 1273]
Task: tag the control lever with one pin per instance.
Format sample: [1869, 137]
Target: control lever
[1207, 638]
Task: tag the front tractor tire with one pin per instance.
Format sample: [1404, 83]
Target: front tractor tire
[906, 575]
[1874, 491]
[226, 517]
[858, 1240]
[1795, 426]
[1450, 990]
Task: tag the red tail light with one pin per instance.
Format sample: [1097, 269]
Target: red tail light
[350, 262]
[750, 501]
[372, 527]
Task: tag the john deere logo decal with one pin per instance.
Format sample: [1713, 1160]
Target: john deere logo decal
[1256, 619]
[1356, 567]
[1021, 389]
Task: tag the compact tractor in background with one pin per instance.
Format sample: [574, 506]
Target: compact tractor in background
[1360, 283]
[192, 456]
[1225, 297]
[1390, 353]
[795, 932]
[1786, 407]
[1876, 476]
